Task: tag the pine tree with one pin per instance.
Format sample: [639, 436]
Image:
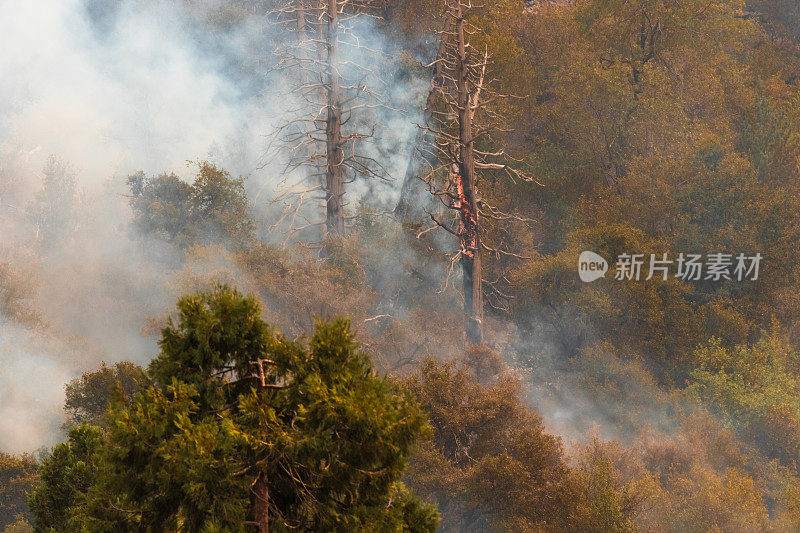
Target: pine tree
[245, 430]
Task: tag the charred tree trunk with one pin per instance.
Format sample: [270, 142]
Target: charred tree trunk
[459, 116]
[415, 158]
[334, 178]
[469, 235]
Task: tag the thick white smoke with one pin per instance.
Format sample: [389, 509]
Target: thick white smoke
[109, 88]
[141, 90]
[137, 86]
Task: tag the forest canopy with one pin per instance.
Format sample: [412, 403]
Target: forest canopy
[372, 216]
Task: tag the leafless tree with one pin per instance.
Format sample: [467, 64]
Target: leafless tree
[460, 131]
[325, 136]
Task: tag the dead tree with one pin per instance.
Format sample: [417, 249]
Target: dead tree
[334, 175]
[461, 126]
[322, 136]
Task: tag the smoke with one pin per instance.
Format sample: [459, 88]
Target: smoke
[110, 88]
[140, 93]
[106, 89]
[32, 378]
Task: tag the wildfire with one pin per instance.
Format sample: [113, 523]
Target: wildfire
[468, 220]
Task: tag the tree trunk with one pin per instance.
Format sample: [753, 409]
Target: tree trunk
[260, 489]
[469, 234]
[334, 181]
[261, 503]
[405, 205]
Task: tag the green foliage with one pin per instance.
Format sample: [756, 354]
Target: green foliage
[330, 438]
[66, 475]
[166, 467]
[606, 504]
[652, 317]
[691, 479]
[337, 415]
[87, 397]
[217, 334]
[162, 206]
[770, 137]
[755, 390]
[211, 210]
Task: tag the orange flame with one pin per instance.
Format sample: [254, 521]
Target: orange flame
[468, 220]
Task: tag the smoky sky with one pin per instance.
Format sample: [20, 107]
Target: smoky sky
[108, 88]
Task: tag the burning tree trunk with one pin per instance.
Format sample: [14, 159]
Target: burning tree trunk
[469, 236]
[455, 131]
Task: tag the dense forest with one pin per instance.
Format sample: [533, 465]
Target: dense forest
[306, 265]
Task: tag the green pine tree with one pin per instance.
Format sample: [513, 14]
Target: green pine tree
[238, 414]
